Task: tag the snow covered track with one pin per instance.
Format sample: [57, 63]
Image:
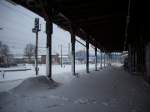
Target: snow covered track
[108, 90]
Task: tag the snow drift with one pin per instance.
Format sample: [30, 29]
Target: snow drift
[34, 84]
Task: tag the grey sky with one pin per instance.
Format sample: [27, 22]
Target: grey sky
[17, 23]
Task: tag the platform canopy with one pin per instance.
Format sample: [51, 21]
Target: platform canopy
[103, 22]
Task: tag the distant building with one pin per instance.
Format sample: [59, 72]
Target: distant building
[80, 57]
[6, 61]
[19, 59]
[43, 59]
[3, 60]
[65, 59]
[92, 59]
[55, 59]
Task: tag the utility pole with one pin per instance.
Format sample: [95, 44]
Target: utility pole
[61, 55]
[68, 49]
[35, 30]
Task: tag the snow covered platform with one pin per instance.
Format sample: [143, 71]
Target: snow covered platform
[107, 90]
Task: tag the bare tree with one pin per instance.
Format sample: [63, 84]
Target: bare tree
[29, 51]
[4, 53]
[0, 48]
[4, 49]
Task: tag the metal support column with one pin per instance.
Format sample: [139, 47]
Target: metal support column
[49, 30]
[104, 60]
[101, 60]
[109, 58]
[95, 58]
[87, 56]
[130, 58]
[73, 52]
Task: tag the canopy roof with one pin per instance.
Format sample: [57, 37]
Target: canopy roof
[102, 21]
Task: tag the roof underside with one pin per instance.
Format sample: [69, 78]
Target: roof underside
[103, 21]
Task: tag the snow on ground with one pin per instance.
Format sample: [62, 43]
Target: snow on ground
[108, 90]
[61, 74]
[57, 71]
[117, 64]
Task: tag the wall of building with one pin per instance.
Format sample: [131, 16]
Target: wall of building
[136, 57]
[147, 61]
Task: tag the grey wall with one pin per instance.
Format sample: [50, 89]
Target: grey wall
[147, 61]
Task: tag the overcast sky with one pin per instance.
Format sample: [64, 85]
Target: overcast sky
[17, 23]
